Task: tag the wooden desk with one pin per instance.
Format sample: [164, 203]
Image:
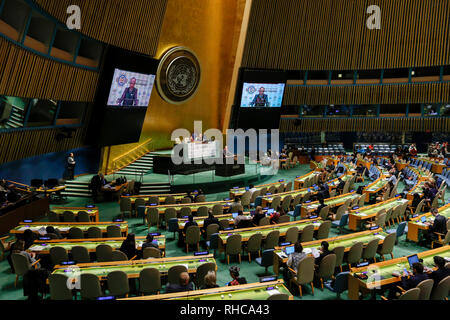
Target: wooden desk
[65, 226]
[237, 192]
[375, 187]
[386, 268]
[162, 197]
[331, 202]
[250, 291]
[346, 241]
[299, 182]
[133, 267]
[437, 168]
[44, 246]
[415, 225]
[93, 212]
[358, 216]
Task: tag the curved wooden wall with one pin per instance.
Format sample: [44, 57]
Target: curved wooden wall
[368, 125]
[379, 94]
[332, 35]
[130, 24]
[25, 74]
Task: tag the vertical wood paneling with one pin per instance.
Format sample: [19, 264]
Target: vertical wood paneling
[332, 35]
[134, 25]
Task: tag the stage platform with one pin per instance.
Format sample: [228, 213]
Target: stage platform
[207, 180]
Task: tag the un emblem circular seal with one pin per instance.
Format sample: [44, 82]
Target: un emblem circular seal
[178, 75]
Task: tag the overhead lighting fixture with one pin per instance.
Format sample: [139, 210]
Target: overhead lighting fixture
[340, 75]
[413, 72]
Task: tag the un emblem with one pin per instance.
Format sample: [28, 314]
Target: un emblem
[178, 75]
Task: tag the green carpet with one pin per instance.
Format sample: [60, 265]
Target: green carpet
[251, 271]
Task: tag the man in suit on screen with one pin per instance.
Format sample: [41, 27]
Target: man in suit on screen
[261, 99]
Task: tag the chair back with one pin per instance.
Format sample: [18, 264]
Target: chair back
[254, 242]
[401, 229]
[425, 287]
[275, 202]
[139, 202]
[173, 275]
[202, 211]
[272, 189]
[118, 284]
[280, 188]
[292, 235]
[264, 221]
[214, 241]
[254, 195]
[286, 203]
[263, 191]
[388, 244]
[149, 280]
[75, 233]
[170, 200]
[80, 254]
[340, 212]
[94, 233]
[152, 216]
[200, 198]
[355, 253]
[202, 271]
[173, 225]
[113, 231]
[297, 200]
[20, 263]
[339, 252]
[245, 199]
[217, 209]
[151, 252]
[333, 193]
[305, 270]
[411, 294]
[307, 233]
[169, 213]
[58, 255]
[267, 258]
[370, 251]
[327, 266]
[341, 282]
[284, 219]
[442, 289]
[323, 214]
[288, 187]
[53, 217]
[278, 296]
[380, 220]
[83, 216]
[153, 199]
[125, 205]
[90, 286]
[68, 216]
[324, 230]
[117, 255]
[210, 229]
[192, 235]
[234, 244]
[186, 200]
[185, 211]
[306, 197]
[272, 239]
[362, 201]
[419, 207]
[59, 290]
[103, 252]
[447, 238]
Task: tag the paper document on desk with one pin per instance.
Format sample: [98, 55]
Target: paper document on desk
[307, 250]
[272, 292]
[315, 253]
[379, 236]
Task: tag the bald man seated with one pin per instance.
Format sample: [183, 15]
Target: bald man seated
[184, 284]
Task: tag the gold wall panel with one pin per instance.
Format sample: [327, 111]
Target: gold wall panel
[211, 29]
[385, 94]
[129, 24]
[332, 34]
[25, 74]
[368, 125]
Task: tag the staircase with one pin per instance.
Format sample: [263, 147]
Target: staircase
[16, 118]
[80, 189]
[77, 189]
[141, 166]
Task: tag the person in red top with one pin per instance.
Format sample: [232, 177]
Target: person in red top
[413, 150]
[234, 273]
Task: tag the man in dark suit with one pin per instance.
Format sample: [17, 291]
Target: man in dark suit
[183, 285]
[441, 272]
[210, 220]
[340, 186]
[324, 191]
[409, 280]
[97, 182]
[439, 225]
[258, 216]
[321, 205]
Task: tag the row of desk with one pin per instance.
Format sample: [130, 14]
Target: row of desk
[65, 227]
